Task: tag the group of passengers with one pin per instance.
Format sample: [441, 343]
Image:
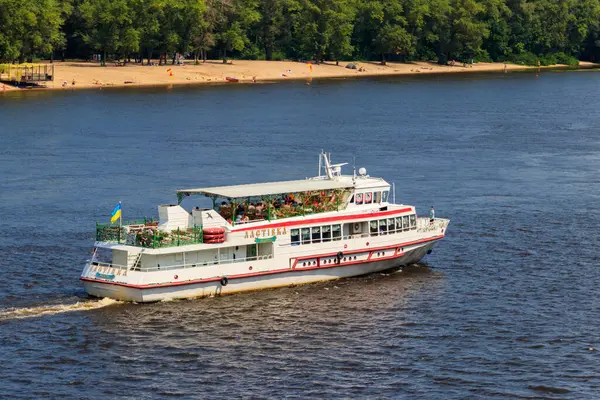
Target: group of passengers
[246, 212]
[242, 213]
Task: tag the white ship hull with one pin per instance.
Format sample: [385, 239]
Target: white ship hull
[282, 278]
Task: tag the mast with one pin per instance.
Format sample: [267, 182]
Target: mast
[327, 166]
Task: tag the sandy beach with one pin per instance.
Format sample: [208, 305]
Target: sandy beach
[86, 75]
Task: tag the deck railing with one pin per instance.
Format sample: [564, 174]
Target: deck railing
[179, 266]
[145, 233]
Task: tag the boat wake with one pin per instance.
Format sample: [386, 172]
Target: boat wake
[51, 309]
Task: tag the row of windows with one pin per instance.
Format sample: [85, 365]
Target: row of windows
[327, 233]
[370, 197]
[316, 234]
[391, 225]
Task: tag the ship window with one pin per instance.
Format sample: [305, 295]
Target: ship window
[373, 227]
[352, 199]
[399, 223]
[178, 256]
[391, 225]
[316, 234]
[413, 221]
[405, 222]
[326, 231]
[337, 231]
[359, 198]
[295, 237]
[385, 195]
[368, 198]
[103, 255]
[306, 235]
[383, 226]
[377, 198]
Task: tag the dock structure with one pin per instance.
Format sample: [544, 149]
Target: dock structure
[26, 74]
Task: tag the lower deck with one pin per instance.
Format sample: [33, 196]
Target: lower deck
[256, 281]
[308, 255]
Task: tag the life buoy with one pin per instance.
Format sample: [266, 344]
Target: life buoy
[213, 231]
[212, 237]
[213, 241]
[224, 281]
[368, 197]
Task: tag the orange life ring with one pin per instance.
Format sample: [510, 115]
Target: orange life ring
[212, 237]
[213, 241]
[213, 231]
[368, 197]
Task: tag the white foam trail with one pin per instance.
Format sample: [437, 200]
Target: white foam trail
[31, 312]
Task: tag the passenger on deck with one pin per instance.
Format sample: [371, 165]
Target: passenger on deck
[240, 209]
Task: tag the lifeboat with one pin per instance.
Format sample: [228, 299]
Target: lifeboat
[230, 79]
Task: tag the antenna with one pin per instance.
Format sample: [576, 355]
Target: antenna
[320, 159]
[353, 168]
[394, 192]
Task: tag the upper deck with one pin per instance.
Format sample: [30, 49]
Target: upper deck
[253, 205]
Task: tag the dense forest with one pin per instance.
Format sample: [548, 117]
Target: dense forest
[522, 31]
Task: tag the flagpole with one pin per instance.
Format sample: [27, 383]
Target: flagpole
[120, 216]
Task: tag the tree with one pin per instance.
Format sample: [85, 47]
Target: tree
[466, 31]
[341, 20]
[393, 39]
[270, 24]
[495, 17]
[30, 27]
[383, 22]
[235, 17]
[109, 26]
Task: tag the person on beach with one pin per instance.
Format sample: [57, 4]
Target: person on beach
[504, 67]
[431, 215]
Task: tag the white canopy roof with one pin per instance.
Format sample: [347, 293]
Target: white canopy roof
[265, 189]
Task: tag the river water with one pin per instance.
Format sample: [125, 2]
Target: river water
[506, 306]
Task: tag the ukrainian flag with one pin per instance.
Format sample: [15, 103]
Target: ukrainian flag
[116, 214]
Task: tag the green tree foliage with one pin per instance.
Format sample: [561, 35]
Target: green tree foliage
[519, 30]
[109, 27]
[30, 27]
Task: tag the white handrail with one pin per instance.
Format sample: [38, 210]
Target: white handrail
[181, 266]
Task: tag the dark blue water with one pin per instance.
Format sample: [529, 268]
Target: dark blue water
[506, 306]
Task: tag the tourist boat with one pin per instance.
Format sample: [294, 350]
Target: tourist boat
[260, 236]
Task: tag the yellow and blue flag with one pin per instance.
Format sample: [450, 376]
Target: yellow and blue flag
[116, 214]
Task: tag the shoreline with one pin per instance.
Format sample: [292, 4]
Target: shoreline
[88, 75]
